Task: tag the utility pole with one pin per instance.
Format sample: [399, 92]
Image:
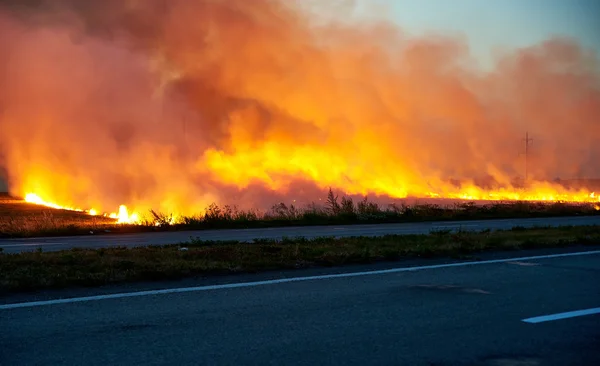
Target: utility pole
[527, 142]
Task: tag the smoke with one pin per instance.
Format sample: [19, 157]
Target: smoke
[175, 104]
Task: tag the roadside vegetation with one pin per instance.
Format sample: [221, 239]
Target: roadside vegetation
[19, 219]
[86, 267]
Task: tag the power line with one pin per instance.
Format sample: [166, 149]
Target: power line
[528, 141]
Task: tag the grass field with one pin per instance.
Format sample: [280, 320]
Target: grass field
[21, 219]
[77, 267]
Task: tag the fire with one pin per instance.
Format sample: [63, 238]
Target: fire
[123, 216]
[120, 104]
[35, 199]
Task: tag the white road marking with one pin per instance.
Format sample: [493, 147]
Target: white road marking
[455, 226]
[282, 280]
[526, 264]
[559, 316]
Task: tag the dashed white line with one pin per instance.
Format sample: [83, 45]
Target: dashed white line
[454, 226]
[525, 264]
[282, 280]
[559, 316]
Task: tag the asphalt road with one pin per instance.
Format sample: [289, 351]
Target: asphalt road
[163, 238]
[459, 314]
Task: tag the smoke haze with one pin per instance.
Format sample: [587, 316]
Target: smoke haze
[176, 104]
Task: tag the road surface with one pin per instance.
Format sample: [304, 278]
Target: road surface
[163, 238]
[539, 310]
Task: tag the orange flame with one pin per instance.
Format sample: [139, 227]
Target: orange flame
[35, 199]
[275, 102]
[122, 217]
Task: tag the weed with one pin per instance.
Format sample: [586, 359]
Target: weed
[87, 267]
[19, 219]
[440, 232]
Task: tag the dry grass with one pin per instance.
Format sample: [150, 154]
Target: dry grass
[78, 267]
[19, 218]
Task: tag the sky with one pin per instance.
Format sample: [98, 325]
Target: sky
[493, 24]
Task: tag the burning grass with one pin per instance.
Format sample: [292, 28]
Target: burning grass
[21, 219]
[78, 267]
[118, 103]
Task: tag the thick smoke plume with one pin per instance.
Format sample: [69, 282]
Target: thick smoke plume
[175, 104]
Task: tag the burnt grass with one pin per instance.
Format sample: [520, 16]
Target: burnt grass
[39, 270]
[19, 219]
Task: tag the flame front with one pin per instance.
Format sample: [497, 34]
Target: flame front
[172, 106]
[122, 216]
[34, 198]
